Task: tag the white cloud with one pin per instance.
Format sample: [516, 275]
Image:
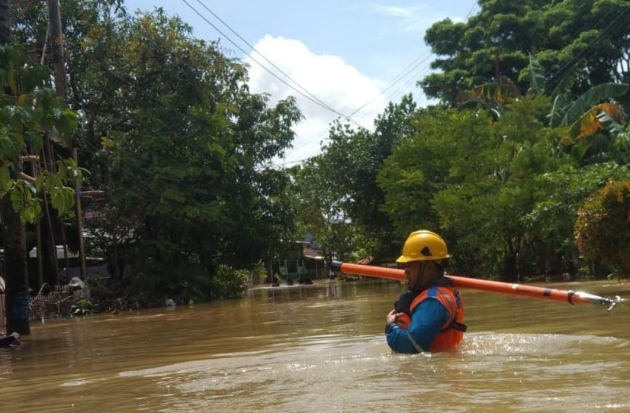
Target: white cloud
[397, 11]
[328, 78]
[415, 18]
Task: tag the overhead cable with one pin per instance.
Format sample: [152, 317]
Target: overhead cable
[305, 95]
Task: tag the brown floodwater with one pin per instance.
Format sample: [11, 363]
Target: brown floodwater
[322, 349]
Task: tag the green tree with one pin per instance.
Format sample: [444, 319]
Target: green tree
[319, 209]
[559, 34]
[352, 160]
[470, 178]
[591, 122]
[603, 227]
[551, 223]
[188, 149]
[419, 168]
[29, 109]
[171, 132]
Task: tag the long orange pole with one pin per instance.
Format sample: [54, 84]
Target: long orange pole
[571, 297]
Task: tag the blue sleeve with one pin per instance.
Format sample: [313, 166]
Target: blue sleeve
[427, 320]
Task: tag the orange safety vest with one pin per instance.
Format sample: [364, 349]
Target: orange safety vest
[453, 329]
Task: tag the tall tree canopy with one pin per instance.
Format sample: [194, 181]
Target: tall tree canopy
[190, 148]
[351, 161]
[560, 34]
[172, 133]
[319, 210]
[474, 181]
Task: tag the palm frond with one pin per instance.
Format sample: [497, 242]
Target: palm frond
[587, 124]
[591, 98]
[591, 121]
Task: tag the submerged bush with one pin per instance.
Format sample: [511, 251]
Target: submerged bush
[82, 307]
[603, 227]
[228, 282]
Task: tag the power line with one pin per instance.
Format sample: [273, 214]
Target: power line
[263, 56]
[406, 71]
[314, 100]
[398, 79]
[471, 9]
[409, 69]
[579, 55]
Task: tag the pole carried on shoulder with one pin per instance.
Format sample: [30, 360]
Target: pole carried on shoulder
[568, 296]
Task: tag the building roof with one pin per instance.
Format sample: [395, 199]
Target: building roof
[310, 252]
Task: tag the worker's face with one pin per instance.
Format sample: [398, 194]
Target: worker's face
[412, 272]
[418, 272]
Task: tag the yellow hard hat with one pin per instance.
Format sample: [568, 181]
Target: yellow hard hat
[423, 246]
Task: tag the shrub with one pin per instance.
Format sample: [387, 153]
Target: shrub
[260, 275]
[228, 282]
[603, 227]
[82, 307]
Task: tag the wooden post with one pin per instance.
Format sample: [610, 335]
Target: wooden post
[56, 40]
[38, 240]
[38, 225]
[51, 253]
[40, 263]
[77, 201]
[66, 261]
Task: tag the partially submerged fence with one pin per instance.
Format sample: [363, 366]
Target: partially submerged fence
[51, 301]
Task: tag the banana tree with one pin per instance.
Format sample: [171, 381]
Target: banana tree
[585, 119]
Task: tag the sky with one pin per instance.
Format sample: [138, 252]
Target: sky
[338, 58]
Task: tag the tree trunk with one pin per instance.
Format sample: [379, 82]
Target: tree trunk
[17, 294]
[49, 249]
[14, 233]
[510, 267]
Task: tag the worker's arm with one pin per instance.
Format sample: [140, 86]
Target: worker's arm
[427, 320]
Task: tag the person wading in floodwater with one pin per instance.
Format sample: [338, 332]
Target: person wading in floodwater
[430, 315]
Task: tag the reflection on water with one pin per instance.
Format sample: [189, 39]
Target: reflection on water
[309, 350]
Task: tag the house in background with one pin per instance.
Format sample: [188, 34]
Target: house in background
[301, 260]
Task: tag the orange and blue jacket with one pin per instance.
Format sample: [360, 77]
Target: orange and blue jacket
[434, 322]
